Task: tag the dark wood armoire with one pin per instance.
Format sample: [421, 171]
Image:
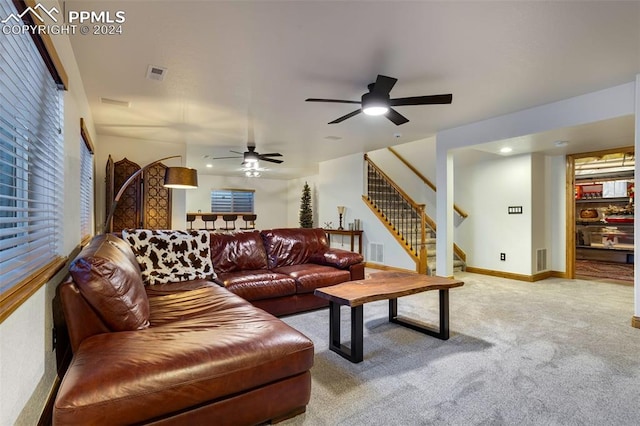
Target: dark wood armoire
[146, 203]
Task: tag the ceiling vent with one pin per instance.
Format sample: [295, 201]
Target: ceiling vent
[156, 73]
[107, 101]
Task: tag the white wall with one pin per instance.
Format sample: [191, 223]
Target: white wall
[609, 103]
[270, 199]
[636, 232]
[539, 211]
[27, 361]
[341, 183]
[490, 186]
[556, 231]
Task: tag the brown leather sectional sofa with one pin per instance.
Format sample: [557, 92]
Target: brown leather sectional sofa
[278, 270]
[195, 352]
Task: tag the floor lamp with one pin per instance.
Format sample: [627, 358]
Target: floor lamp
[174, 177]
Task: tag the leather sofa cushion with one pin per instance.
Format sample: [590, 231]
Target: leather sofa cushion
[221, 346]
[108, 277]
[258, 284]
[293, 246]
[336, 257]
[163, 289]
[237, 251]
[310, 276]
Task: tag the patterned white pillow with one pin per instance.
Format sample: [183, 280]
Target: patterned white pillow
[171, 256]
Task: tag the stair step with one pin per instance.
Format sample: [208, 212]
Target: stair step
[458, 266]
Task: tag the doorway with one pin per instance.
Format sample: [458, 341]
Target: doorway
[600, 215]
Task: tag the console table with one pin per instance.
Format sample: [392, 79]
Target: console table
[351, 233]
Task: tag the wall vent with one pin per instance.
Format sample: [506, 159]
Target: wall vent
[541, 260]
[376, 253]
[156, 73]
[107, 101]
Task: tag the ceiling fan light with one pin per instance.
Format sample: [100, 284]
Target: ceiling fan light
[375, 103]
[250, 157]
[375, 110]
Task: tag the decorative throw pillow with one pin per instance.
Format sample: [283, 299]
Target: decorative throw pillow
[171, 256]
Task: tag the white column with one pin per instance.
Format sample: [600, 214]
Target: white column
[636, 232]
[444, 211]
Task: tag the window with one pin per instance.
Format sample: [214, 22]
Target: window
[86, 184]
[31, 160]
[232, 201]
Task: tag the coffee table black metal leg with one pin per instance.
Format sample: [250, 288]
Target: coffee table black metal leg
[441, 333]
[353, 353]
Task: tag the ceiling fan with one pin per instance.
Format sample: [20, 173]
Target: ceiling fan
[377, 102]
[250, 156]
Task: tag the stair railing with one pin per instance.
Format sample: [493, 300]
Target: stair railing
[425, 180]
[399, 212]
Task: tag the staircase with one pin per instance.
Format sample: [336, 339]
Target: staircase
[405, 219]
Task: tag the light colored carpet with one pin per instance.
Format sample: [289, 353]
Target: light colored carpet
[555, 352]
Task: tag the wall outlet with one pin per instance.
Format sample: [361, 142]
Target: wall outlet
[503, 256]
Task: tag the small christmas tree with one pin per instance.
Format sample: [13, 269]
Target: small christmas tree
[306, 214]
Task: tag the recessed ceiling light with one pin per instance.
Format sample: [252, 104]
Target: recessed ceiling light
[333, 138]
[506, 150]
[209, 165]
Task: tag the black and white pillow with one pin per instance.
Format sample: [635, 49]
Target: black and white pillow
[171, 256]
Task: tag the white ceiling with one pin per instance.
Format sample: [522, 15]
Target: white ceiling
[237, 64]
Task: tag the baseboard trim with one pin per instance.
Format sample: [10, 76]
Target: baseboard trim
[386, 267]
[519, 277]
[635, 322]
[46, 417]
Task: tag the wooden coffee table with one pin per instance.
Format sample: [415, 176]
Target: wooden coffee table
[382, 286]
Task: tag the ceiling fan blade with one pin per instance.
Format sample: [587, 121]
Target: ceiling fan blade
[272, 154]
[396, 117]
[384, 84]
[344, 117]
[422, 100]
[271, 160]
[337, 101]
[236, 152]
[222, 158]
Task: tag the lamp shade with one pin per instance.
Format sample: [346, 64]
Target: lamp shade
[341, 209]
[180, 178]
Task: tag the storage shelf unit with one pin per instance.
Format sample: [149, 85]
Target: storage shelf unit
[604, 217]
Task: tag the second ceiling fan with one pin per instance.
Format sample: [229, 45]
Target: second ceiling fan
[377, 101]
[250, 156]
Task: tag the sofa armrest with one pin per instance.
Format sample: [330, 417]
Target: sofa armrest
[81, 320]
[338, 258]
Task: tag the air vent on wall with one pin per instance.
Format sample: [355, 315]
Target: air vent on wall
[376, 253]
[107, 101]
[541, 260]
[156, 73]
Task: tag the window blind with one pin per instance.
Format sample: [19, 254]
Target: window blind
[31, 159]
[86, 189]
[231, 201]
